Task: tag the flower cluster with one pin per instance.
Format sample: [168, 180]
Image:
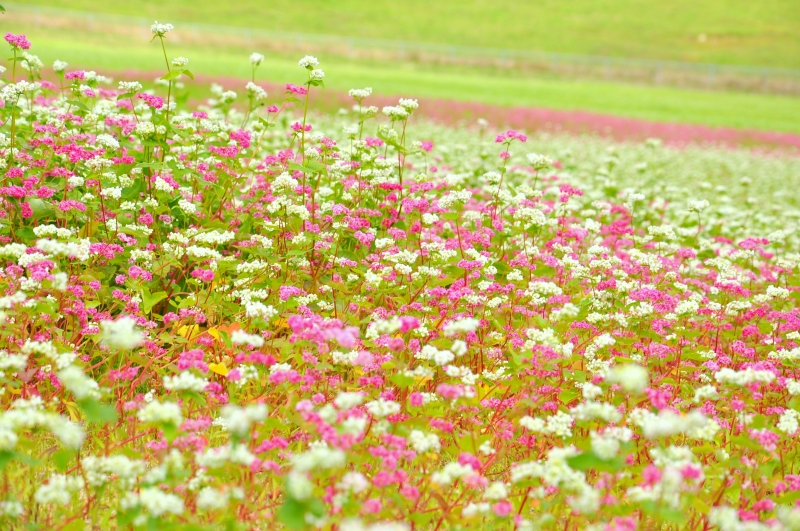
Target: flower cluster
[244, 318]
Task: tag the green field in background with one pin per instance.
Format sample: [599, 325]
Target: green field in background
[765, 33]
[754, 111]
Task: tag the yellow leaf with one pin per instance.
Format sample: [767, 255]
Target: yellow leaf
[189, 332]
[282, 323]
[218, 368]
[72, 409]
[213, 332]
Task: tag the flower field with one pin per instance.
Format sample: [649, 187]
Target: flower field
[249, 316]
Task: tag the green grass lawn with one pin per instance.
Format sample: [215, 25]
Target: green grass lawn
[754, 111]
[764, 33]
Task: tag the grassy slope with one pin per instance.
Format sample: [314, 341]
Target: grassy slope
[738, 31]
[661, 104]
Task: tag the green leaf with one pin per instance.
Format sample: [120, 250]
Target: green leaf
[590, 461]
[663, 512]
[62, 458]
[79, 105]
[97, 413]
[401, 380]
[40, 208]
[2, 9]
[126, 96]
[746, 442]
[188, 74]
[174, 74]
[297, 167]
[151, 299]
[292, 514]
[5, 458]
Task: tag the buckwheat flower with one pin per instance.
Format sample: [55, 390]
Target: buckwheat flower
[317, 74]
[80, 385]
[180, 62]
[424, 442]
[211, 499]
[161, 29]
[31, 63]
[788, 422]
[381, 408]
[633, 378]
[353, 481]
[121, 334]
[58, 490]
[239, 419]
[309, 62]
[59, 66]
[256, 59]
[347, 400]
[743, 378]
[698, 206]
[240, 337]
[107, 141]
[496, 491]
[317, 457]
[298, 486]
[12, 509]
[69, 433]
[461, 326]
[360, 94]
[256, 92]
[408, 105]
[395, 113]
[161, 413]
[185, 381]
[129, 86]
[187, 207]
[604, 447]
[539, 162]
[19, 42]
[157, 502]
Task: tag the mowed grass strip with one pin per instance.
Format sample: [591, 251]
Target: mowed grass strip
[719, 109]
[765, 33]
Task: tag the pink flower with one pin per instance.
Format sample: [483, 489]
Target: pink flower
[156, 102]
[502, 508]
[18, 41]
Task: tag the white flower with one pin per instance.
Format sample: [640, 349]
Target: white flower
[381, 408]
[461, 326]
[539, 162]
[256, 59]
[238, 419]
[360, 94]
[308, 61]
[633, 378]
[185, 381]
[161, 412]
[157, 502]
[424, 442]
[78, 383]
[180, 62]
[698, 206]
[161, 29]
[121, 334]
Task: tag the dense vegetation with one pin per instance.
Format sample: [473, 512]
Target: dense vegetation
[247, 316]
